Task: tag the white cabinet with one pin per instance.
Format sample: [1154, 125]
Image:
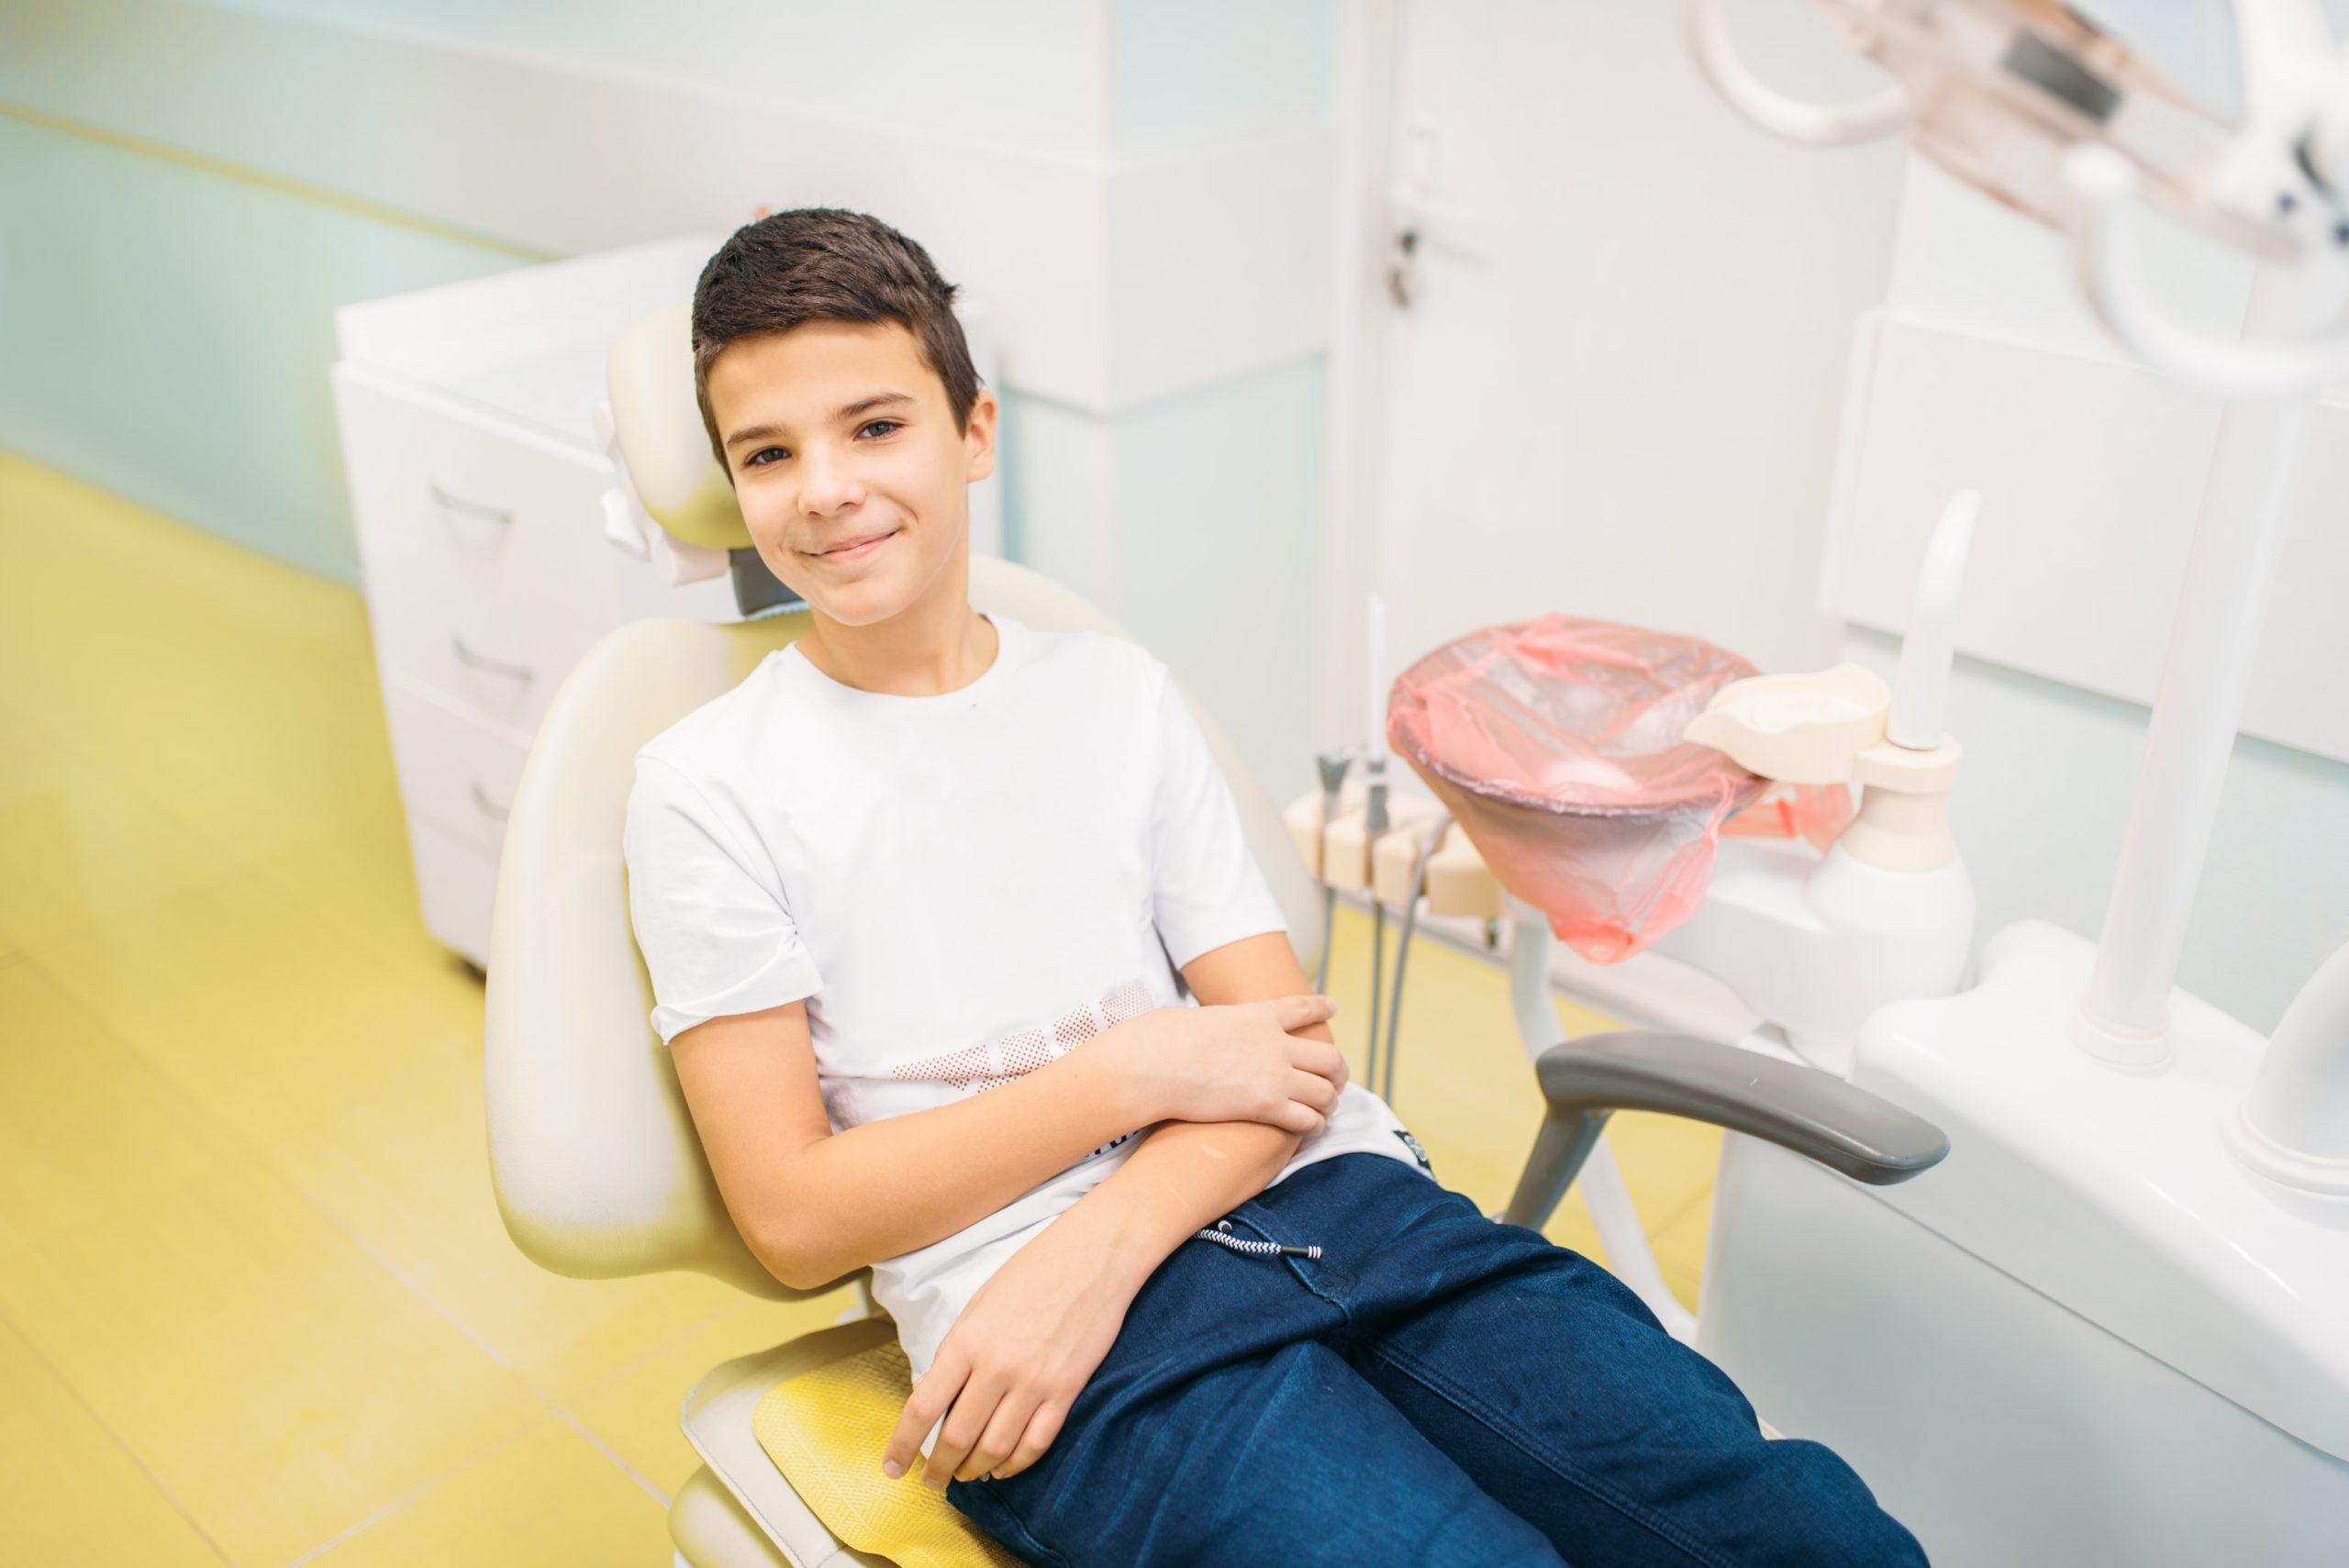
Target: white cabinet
[478, 483]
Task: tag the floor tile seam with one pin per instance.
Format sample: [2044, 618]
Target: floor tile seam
[224, 1140]
[638, 1362]
[122, 1445]
[270, 1171]
[420, 1489]
[220, 1139]
[498, 1358]
[577, 1425]
[408, 1282]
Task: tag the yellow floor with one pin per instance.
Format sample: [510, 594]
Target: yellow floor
[256, 1305]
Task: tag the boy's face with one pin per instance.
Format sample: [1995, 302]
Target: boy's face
[837, 431]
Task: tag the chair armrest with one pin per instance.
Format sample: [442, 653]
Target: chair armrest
[1815, 1114]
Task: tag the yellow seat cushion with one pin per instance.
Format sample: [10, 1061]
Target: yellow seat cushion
[825, 1429]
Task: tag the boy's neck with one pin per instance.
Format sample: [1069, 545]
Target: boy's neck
[936, 645]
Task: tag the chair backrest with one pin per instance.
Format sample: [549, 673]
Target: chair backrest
[593, 1155]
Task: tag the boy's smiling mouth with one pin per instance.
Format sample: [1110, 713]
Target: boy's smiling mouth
[855, 549]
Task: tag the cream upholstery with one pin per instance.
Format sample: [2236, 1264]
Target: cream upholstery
[593, 1155]
[649, 372]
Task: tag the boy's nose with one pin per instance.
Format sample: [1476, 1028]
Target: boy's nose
[828, 486]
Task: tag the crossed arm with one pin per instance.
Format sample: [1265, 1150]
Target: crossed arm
[749, 1081]
[1033, 1334]
[1187, 1172]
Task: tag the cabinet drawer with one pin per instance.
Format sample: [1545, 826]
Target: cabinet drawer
[456, 770]
[488, 574]
[456, 885]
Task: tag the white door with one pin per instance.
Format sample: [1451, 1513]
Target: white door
[1615, 387]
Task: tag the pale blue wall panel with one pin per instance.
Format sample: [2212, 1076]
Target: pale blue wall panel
[1052, 463]
[165, 333]
[1217, 551]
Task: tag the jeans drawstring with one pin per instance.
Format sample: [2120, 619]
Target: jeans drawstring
[1261, 1248]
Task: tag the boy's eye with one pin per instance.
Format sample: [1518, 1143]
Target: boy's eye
[761, 458]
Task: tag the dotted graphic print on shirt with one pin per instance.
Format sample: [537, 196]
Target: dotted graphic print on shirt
[978, 1068]
[992, 1064]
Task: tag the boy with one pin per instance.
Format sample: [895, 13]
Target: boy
[914, 896]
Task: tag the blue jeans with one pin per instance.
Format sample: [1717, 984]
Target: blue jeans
[1435, 1389]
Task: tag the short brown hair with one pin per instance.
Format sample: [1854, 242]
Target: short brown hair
[826, 264]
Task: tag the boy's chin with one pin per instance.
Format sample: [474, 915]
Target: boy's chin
[860, 604]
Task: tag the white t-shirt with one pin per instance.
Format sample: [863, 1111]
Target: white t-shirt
[961, 887]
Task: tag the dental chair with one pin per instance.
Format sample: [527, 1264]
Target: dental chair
[596, 1168]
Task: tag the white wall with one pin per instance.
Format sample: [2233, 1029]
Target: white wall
[1137, 191]
[2053, 740]
[1622, 392]
[1618, 388]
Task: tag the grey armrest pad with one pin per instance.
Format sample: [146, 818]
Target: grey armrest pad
[1811, 1112]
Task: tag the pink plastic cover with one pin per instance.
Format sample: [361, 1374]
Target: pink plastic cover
[1556, 745]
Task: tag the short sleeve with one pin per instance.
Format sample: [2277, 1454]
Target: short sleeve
[1205, 888]
[715, 934]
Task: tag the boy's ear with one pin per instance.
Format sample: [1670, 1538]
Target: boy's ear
[980, 436]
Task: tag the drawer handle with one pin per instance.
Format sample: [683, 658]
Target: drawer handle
[482, 661]
[458, 504]
[489, 807]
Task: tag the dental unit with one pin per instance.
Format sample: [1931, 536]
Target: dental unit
[2113, 1324]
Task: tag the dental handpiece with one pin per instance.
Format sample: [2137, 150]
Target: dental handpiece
[1375, 824]
[1332, 766]
[1386, 1087]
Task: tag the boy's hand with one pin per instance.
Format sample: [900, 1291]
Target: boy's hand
[1233, 1062]
[1018, 1356]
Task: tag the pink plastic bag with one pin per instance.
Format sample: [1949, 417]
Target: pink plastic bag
[1556, 745]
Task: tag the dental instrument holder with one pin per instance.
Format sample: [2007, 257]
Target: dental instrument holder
[1421, 854]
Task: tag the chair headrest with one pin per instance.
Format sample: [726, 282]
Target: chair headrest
[657, 422]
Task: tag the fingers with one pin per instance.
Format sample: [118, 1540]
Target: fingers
[1001, 1437]
[1042, 1427]
[966, 1424]
[1293, 1115]
[933, 1392]
[1318, 1056]
[1312, 1091]
[1296, 1012]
